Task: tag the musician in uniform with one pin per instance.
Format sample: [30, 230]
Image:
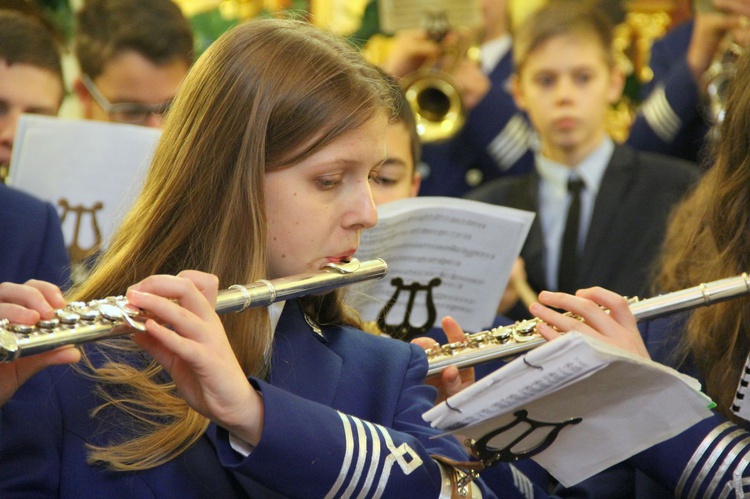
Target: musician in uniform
[674, 118]
[496, 138]
[262, 172]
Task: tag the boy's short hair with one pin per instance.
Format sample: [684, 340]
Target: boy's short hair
[562, 17]
[155, 29]
[25, 40]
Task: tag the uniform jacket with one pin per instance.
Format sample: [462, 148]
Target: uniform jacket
[495, 141]
[635, 197]
[33, 245]
[671, 119]
[342, 416]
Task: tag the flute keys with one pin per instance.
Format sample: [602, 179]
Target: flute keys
[502, 334]
[22, 328]
[90, 315]
[111, 312]
[48, 324]
[526, 328]
[68, 318]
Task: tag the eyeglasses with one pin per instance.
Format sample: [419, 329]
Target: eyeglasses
[125, 112]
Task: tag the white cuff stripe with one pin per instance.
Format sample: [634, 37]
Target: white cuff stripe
[660, 116]
[361, 457]
[348, 454]
[511, 143]
[711, 461]
[725, 464]
[698, 454]
[374, 433]
[522, 483]
[373, 468]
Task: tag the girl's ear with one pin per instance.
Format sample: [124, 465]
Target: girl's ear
[616, 84]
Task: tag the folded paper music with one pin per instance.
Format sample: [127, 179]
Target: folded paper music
[625, 405]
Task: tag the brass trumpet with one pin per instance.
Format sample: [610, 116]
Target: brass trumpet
[110, 317]
[431, 90]
[507, 341]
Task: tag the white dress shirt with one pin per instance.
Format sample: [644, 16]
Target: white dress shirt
[554, 201]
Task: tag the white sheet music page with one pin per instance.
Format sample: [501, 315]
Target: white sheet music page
[396, 15]
[94, 169]
[627, 404]
[470, 246]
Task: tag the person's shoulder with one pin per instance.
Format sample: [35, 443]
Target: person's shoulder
[10, 196]
[372, 351]
[360, 339]
[679, 36]
[661, 164]
[499, 187]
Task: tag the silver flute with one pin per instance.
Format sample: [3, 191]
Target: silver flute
[96, 320]
[507, 341]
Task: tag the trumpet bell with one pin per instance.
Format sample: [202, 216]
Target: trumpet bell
[438, 109]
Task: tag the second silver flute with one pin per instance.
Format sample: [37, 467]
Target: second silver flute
[506, 341]
[96, 320]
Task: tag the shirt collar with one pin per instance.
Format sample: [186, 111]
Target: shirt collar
[591, 169]
[274, 313]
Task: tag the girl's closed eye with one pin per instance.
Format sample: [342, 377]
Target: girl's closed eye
[328, 182]
[384, 180]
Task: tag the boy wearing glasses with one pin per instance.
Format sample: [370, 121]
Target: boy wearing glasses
[133, 55]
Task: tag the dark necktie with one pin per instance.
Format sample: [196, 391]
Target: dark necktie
[568, 269]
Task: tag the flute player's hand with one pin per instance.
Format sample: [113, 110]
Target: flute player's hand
[451, 380]
[195, 350]
[606, 314]
[27, 304]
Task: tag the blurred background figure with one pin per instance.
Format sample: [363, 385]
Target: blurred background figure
[30, 82]
[132, 54]
[601, 207]
[690, 66]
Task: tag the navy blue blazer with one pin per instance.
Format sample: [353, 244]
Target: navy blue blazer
[33, 245]
[343, 414]
[495, 141]
[671, 119]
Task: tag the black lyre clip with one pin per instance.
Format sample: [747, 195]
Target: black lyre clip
[489, 455]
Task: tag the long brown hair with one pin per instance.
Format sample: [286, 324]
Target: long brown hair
[708, 238]
[266, 95]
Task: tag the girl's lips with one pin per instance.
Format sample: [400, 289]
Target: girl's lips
[345, 258]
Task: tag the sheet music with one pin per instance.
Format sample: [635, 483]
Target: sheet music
[404, 14]
[84, 163]
[628, 404]
[469, 245]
